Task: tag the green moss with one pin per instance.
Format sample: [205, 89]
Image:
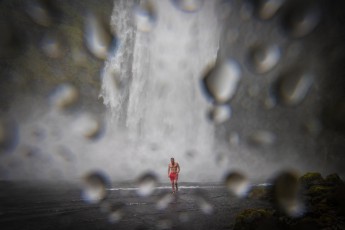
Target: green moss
[311, 178]
[334, 179]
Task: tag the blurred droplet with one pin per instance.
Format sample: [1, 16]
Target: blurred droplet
[221, 81]
[262, 138]
[147, 183]
[183, 217]
[66, 154]
[262, 58]
[237, 183]
[164, 224]
[9, 137]
[95, 187]
[164, 201]
[39, 13]
[87, 125]
[145, 16]
[246, 11]
[313, 127]
[97, 36]
[220, 113]
[232, 36]
[191, 154]
[188, 5]
[234, 139]
[203, 202]
[51, 46]
[266, 9]
[292, 87]
[116, 212]
[301, 18]
[270, 102]
[286, 193]
[64, 96]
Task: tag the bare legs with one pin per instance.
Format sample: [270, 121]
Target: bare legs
[174, 186]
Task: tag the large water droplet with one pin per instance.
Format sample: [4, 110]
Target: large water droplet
[64, 96]
[301, 18]
[87, 125]
[147, 183]
[237, 183]
[97, 36]
[203, 202]
[95, 187]
[164, 201]
[266, 9]
[292, 87]
[164, 224]
[286, 193]
[221, 81]
[246, 11]
[262, 58]
[188, 5]
[51, 46]
[220, 113]
[39, 13]
[145, 16]
[262, 138]
[116, 212]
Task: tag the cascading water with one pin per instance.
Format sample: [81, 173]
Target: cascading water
[152, 83]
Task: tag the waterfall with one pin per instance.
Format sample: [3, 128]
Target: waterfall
[152, 83]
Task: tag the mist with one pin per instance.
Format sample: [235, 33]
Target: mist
[214, 84]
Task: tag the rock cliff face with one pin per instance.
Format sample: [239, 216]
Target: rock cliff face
[45, 45]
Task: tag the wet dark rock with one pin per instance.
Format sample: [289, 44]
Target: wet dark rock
[324, 201]
[311, 178]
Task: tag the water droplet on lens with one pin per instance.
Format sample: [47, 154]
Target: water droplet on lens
[116, 212]
[97, 36]
[188, 5]
[234, 139]
[87, 125]
[313, 127]
[246, 11]
[51, 46]
[183, 217]
[221, 81]
[302, 18]
[232, 36]
[39, 13]
[203, 202]
[268, 8]
[164, 224]
[64, 96]
[164, 201]
[147, 184]
[237, 184]
[286, 188]
[262, 58]
[145, 16]
[293, 86]
[262, 138]
[220, 113]
[95, 187]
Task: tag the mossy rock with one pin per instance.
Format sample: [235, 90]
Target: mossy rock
[311, 178]
[334, 179]
[254, 218]
[260, 192]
